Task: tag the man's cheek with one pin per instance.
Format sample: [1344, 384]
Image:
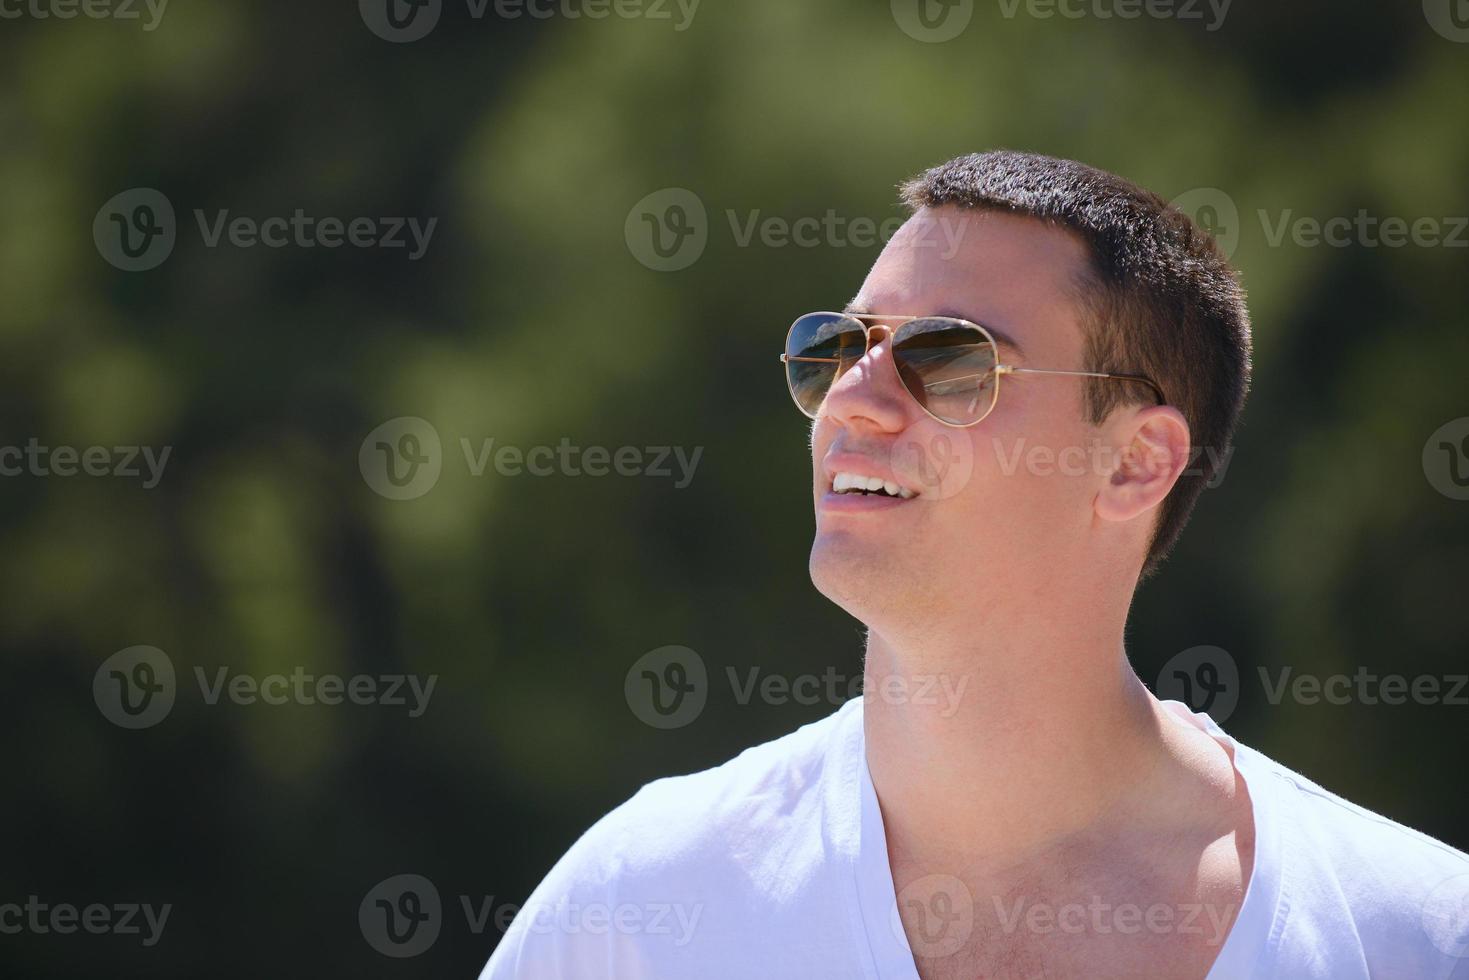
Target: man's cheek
[1068, 451]
[937, 461]
[820, 439]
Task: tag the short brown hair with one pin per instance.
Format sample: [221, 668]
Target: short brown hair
[1159, 298]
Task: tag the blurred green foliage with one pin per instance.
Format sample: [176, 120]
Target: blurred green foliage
[530, 320]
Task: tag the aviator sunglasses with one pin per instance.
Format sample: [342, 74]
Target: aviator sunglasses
[950, 366]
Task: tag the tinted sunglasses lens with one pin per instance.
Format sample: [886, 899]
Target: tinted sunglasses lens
[948, 366]
[819, 349]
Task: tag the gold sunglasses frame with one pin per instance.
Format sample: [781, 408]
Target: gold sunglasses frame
[999, 370]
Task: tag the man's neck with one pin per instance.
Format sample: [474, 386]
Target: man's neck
[1047, 736]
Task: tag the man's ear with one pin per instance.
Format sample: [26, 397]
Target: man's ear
[1153, 451]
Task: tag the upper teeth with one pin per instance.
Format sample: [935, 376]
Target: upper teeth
[844, 482]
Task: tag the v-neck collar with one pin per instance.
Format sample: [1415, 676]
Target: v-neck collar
[874, 905]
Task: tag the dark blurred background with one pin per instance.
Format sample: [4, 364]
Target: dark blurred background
[543, 310]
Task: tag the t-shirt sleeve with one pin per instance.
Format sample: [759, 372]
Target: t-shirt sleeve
[564, 930]
[603, 909]
[1366, 891]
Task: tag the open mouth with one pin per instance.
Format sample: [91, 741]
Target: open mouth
[852, 483]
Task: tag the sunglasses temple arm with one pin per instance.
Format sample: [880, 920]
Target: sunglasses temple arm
[962, 377]
[1006, 369]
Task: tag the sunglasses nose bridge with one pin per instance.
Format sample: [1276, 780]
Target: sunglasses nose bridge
[865, 389]
[878, 334]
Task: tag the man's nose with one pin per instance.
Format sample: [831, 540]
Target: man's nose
[868, 394]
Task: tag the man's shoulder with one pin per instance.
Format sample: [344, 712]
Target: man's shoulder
[718, 814]
[1359, 838]
[678, 879]
[1402, 892]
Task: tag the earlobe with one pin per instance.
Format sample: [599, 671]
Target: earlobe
[1152, 452]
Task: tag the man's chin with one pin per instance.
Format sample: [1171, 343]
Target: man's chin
[852, 570]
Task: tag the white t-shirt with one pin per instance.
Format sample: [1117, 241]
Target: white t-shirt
[775, 865]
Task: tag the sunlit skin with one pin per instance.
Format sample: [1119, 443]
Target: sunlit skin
[1058, 770]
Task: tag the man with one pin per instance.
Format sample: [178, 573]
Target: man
[1053, 819]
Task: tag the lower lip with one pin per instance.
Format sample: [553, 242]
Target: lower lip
[858, 503]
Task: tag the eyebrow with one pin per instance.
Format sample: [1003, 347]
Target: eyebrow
[1001, 338]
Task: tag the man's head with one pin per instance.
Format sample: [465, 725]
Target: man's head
[1073, 269]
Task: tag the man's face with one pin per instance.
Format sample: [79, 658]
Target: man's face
[992, 516]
